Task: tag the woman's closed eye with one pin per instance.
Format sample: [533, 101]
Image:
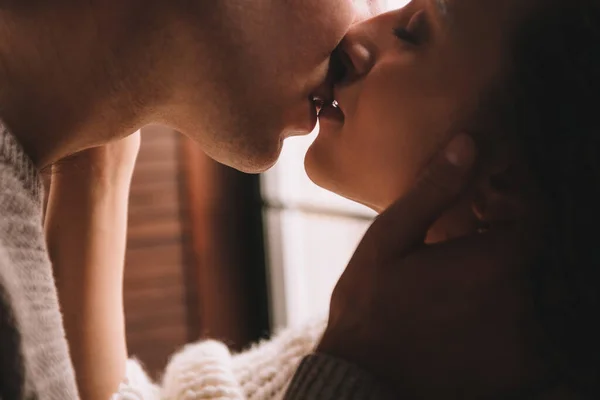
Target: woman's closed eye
[414, 32]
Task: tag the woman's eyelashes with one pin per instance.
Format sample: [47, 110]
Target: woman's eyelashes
[403, 34]
[414, 32]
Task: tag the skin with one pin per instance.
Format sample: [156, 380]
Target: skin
[86, 230]
[235, 76]
[394, 241]
[381, 321]
[418, 96]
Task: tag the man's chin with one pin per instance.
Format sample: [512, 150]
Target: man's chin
[247, 148]
[252, 159]
[254, 167]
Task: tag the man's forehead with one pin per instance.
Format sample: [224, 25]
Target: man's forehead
[371, 8]
[393, 4]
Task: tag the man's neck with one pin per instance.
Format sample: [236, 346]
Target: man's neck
[60, 90]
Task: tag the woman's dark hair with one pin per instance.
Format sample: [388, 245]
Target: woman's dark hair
[555, 111]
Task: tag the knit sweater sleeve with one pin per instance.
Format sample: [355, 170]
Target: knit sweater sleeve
[207, 370]
[34, 356]
[322, 377]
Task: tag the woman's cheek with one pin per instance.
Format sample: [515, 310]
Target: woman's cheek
[373, 143]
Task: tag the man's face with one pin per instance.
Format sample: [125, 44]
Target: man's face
[244, 71]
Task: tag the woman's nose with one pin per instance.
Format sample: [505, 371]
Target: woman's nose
[354, 54]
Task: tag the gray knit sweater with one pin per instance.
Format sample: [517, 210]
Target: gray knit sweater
[34, 356]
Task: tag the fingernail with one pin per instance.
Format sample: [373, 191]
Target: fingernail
[460, 152]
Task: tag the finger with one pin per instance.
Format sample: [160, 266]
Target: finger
[406, 222]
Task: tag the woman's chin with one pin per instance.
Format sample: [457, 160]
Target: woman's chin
[317, 170]
[323, 167]
[323, 173]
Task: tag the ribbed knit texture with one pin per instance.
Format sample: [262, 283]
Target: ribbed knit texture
[265, 371]
[34, 357]
[321, 377]
[207, 370]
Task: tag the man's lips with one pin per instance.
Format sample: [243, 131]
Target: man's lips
[321, 103]
[323, 98]
[323, 95]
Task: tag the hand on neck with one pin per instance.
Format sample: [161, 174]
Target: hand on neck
[457, 221]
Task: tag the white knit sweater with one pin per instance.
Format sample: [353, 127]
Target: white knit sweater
[207, 370]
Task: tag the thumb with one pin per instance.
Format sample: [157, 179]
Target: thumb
[405, 224]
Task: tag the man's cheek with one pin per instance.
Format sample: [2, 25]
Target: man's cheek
[328, 20]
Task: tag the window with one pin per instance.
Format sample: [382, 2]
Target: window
[310, 236]
[310, 233]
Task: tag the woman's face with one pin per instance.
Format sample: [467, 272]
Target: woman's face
[413, 80]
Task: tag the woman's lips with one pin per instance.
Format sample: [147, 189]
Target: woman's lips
[331, 111]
